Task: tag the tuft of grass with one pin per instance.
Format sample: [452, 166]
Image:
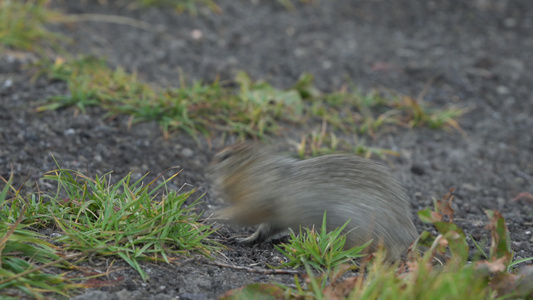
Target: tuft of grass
[22, 24]
[323, 142]
[125, 219]
[25, 255]
[350, 110]
[321, 250]
[419, 114]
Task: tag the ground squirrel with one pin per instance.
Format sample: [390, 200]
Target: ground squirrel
[280, 192]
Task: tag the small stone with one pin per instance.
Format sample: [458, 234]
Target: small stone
[186, 152]
[470, 187]
[509, 22]
[501, 201]
[197, 34]
[501, 89]
[70, 131]
[8, 83]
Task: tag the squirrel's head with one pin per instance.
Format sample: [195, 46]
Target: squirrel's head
[234, 155]
[232, 167]
[232, 160]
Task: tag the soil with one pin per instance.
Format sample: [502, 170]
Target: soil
[475, 54]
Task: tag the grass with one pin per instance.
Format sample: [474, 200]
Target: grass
[321, 250]
[195, 109]
[22, 24]
[126, 219]
[24, 254]
[254, 110]
[96, 218]
[322, 142]
[418, 278]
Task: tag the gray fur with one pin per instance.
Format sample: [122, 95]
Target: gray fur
[280, 192]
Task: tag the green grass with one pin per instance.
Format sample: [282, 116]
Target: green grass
[322, 142]
[24, 254]
[320, 249]
[254, 110]
[22, 24]
[195, 109]
[94, 217]
[126, 219]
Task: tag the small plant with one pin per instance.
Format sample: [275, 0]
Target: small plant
[25, 254]
[420, 115]
[321, 250]
[323, 142]
[125, 219]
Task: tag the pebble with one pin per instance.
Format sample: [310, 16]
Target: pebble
[186, 152]
[8, 83]
[470, 187]
[501, 89]
[509, 22]
[69, 131]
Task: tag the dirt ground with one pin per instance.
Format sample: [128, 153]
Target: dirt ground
[478, 54]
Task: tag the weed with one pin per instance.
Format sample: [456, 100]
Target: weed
[321, 250]
[124, 219]
[24, 255]
[323, 142]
